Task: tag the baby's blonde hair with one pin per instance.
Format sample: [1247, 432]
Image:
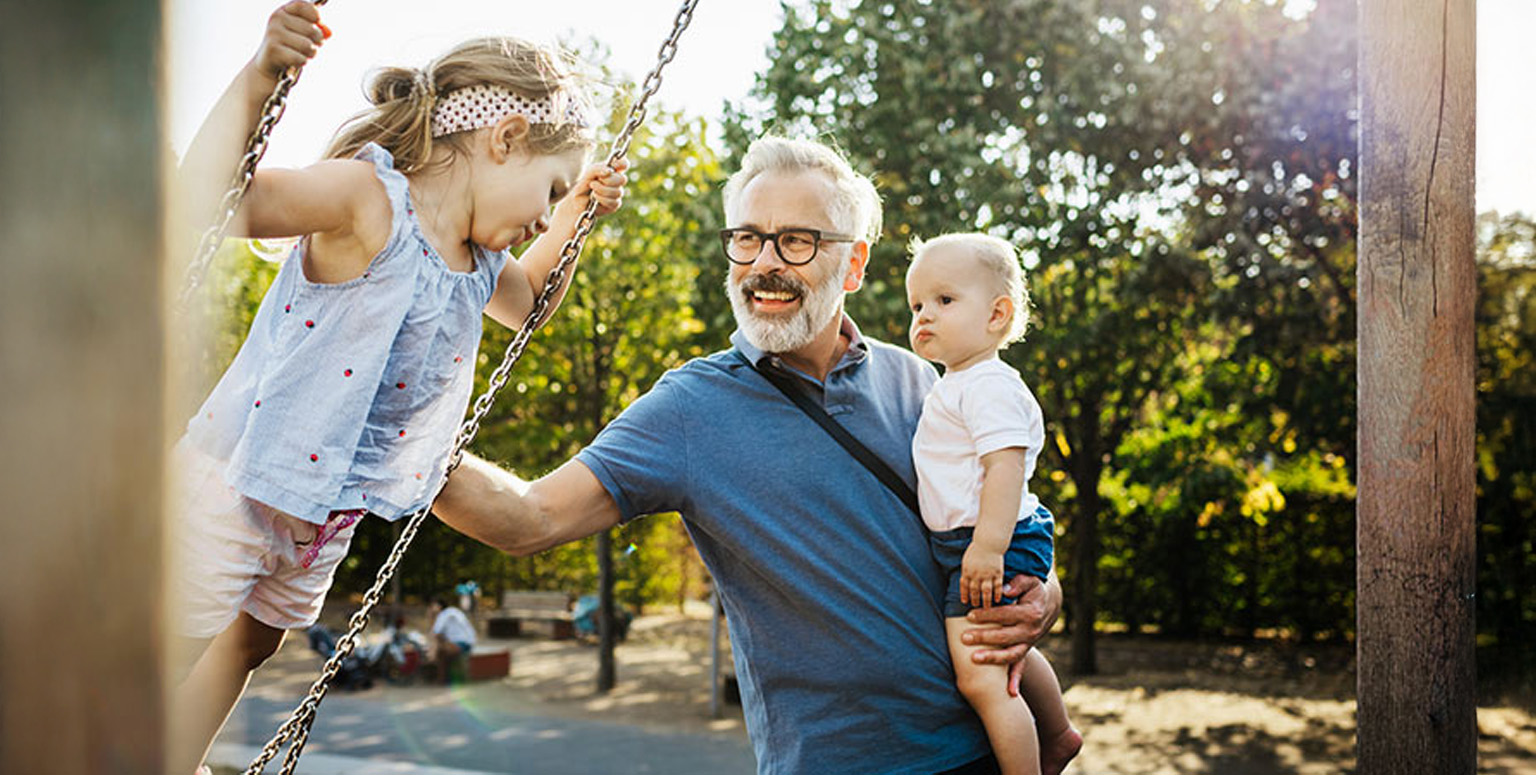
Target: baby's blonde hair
[1000, 260]
[400, 120]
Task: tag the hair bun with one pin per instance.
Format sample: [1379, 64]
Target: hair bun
[398, 83]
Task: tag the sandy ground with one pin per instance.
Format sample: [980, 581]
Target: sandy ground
[1156, 707]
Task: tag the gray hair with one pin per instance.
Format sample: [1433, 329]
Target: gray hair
[1000, 260]
[855, 203]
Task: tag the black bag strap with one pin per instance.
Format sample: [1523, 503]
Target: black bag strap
[892, 481]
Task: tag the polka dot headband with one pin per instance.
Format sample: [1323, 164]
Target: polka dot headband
[483, 105]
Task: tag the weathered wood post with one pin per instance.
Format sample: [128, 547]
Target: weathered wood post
[1417, 288]
[80, 388]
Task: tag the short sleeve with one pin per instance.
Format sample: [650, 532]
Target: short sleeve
[641, 458]
[1000, 412]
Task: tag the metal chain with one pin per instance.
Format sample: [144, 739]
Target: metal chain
[295, 731]
[255, 148]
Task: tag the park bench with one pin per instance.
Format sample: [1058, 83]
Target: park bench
[483, 663]
[522, 606]
[488, 663]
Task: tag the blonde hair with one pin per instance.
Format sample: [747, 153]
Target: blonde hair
[1000, 260]
[855, 203]
[403, 98]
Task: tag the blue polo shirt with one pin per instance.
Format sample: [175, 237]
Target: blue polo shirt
[833, 598]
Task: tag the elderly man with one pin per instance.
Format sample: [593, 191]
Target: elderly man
[833, 599]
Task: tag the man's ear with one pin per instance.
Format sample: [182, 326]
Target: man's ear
[857, 261]
[1002, 314]
[508, 137]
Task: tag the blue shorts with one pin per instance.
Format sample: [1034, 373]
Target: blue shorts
[1032, 552]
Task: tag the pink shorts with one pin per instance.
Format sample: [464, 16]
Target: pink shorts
[234, 554]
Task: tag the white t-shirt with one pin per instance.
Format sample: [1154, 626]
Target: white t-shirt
[451, 623]
[968, 414]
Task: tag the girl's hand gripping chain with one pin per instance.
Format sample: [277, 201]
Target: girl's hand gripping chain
[294, 35]
[596, 182]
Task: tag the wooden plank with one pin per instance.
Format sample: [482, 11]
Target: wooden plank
[1417, 287]
[81, 383]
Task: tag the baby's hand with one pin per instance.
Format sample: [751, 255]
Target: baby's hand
[603, 184]
[294, 34]
[981, 577]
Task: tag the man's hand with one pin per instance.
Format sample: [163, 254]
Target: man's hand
[1018, 627]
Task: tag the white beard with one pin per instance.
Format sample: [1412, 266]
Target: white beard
[782, 335]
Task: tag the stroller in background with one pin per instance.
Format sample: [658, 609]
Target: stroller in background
[394, 657]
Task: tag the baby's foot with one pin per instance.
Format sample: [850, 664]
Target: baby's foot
[1057, 751]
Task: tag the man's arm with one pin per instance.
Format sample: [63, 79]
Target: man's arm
[491, 505]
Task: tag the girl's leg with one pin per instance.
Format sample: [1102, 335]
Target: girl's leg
[1010, 726]
[1059, 742]
[202, 703]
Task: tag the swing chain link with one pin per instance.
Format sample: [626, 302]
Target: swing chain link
[256, 147]
[295, 731]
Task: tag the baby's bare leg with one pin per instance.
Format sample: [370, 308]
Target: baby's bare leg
[1059, 742]
[1010, 726]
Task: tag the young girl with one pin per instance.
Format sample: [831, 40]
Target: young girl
[975, 448]
[347, 393]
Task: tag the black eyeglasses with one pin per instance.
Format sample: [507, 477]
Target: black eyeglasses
[794, 246]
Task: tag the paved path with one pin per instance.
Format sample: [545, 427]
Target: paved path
[482, 728]
[440, 731]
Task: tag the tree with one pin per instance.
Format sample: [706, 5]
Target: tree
[1506, 456]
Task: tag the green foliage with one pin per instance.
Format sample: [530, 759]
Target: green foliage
[226, 304]
[1506, 443]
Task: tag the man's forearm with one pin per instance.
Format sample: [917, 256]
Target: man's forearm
[490, 505]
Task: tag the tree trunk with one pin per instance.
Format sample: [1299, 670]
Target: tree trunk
[606, 634]
[607, 669]
[1417, 286]
[1082, 594]
[82, 373]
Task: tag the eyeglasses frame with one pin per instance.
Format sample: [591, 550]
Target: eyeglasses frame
[818, 236]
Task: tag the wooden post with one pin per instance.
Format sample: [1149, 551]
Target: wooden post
[1417, 287]
[80, 388]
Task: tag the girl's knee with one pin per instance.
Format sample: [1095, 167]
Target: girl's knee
[256, 643]
[256, 653]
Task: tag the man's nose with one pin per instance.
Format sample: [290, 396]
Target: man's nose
[768, 258]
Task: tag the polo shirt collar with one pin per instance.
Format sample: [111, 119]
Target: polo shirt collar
[858, 349]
